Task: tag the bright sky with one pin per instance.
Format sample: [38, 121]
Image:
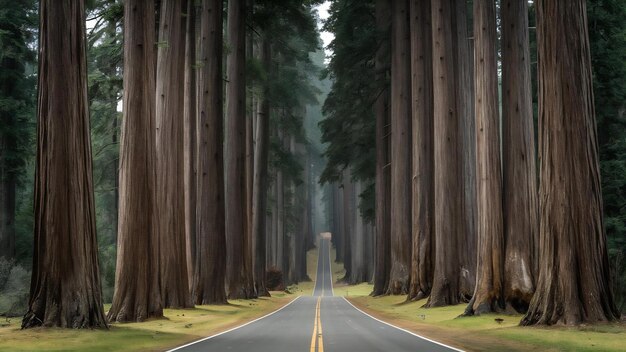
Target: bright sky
[327, 37]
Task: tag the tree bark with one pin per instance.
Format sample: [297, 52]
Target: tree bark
[447, 216]
[574, 281]
[65, 287]
[170, 155]
[8, 184]
[137, 296]
[239, 274]
[400, 150]
[190, 143]
[347, 223]
[423, 249]
[466, 149]
[520, 204]
[259, 193]
[488, 294]
[210, 273]
[382, 267]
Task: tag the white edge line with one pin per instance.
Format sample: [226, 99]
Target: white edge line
[405, 330]
[330, 268]
[235, 328]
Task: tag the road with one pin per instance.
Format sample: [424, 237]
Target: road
[317, 323]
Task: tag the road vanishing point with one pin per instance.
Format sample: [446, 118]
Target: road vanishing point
[317, 323]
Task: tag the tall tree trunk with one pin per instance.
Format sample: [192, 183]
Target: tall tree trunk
[382, 256]
[488, 294]
[137, 295]
[445, 290]
[347, 217]
[338, 234]
[400, 150]
[239, 274]
[280, 218]
[190, 130]
[65, 287]
[574, 281]
[210, 273]
[259, 193]
[466, 149]
[170, 154]
[520, 171]
[422, 109]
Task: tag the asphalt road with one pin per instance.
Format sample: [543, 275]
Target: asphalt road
[316, 323]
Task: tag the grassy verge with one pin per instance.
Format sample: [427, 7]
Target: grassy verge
[484, 333]
[179, 326]
[481, 333]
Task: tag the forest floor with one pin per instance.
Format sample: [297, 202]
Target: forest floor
[482, 333]
[180, 326]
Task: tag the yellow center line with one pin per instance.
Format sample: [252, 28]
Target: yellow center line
[316, 339]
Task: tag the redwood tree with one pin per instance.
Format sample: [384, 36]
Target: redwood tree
[574, 280]
[488, 295]
[520, 203]
[447, 194]
[137, 296]
[238, 247]
[400, 150]
[209, 276]
[170, 154]
[423, 248]
[65, 287]
[383, 186]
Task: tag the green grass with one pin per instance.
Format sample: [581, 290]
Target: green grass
[178, 327]
[483, 333]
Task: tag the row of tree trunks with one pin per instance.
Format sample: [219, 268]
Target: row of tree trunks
[137, 293]
[210, 261]
[65, 288]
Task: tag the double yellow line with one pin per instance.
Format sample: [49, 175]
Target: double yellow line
[317, 338]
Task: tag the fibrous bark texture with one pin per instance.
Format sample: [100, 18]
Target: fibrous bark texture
[190, 128]
[422, 255]
[137, 295]
[447, 217]
[383, 185]
[210, 273]
[170, 154]
[260, 182]
[488, 294]
[400, 150]
[239, 275]
[65, 285]
[574, 280]
[520, 204]
[464, 88]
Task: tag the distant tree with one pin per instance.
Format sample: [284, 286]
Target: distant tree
[65, 286]
[574, 280]
[137, 295]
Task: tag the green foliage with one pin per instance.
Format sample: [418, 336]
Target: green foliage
[349, 128]
[607, 34]
[14, 288]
